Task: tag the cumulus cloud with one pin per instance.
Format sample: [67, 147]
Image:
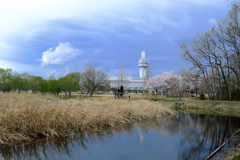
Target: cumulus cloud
[61, 54]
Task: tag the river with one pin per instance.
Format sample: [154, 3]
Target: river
[178, 137]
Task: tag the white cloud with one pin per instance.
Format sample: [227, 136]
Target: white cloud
[60, 54]
[31, 16]
[28, 14]
[26, 21]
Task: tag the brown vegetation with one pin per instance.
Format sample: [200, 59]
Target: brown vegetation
[25, 117]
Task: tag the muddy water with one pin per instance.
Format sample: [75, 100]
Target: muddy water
[181, 136]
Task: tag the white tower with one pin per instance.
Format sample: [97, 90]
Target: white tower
[143, 65]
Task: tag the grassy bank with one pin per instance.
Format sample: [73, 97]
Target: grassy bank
[25, 117]
[228, 106]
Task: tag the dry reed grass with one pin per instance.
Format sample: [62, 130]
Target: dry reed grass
[25, 117]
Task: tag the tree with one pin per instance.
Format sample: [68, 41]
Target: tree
[52, 86]
[168, 78]
[73, 83]
[36, 83]
[67, 85]
[166, 82]
[178, 83]
[192, 80]
[75, 76]
[91, 79]
[155, 83]
[5, 79]
[105, 87]
[216, 54]
[16, 83]
[122, 76]
[19, 82]
[163, 82]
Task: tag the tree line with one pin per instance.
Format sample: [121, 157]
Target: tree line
[214, 56]
[89, 81]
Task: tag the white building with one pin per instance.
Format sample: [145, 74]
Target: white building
[136, 84]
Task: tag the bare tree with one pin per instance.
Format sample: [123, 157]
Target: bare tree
[121, 75]
[216, 54]
[122, 79]
[192, 81]
[92, 79]
[197, 64]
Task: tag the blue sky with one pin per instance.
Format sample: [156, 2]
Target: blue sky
[56, 37]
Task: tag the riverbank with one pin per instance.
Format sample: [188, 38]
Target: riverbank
[222, 108]
[27, 117]
[232, 106]
[187, 103]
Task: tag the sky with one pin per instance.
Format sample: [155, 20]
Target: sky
[57, 37]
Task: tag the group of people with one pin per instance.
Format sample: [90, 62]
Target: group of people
[118, 93]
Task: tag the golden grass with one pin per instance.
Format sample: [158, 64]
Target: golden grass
[25, 117]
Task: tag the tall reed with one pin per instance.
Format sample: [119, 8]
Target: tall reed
[25, 117]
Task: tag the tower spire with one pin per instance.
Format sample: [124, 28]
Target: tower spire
[143, 55]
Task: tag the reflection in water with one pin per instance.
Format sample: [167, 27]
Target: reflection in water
[194, 137]
[53, 149]
[200, 134]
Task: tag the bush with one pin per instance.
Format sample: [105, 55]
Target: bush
[202, 96]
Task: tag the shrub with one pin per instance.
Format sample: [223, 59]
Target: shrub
[202, 96]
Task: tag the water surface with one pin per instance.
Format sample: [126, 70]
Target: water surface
[181, 136]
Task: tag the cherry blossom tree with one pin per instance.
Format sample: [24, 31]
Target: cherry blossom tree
[158, 82]
[155, 83]
[167, 81]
